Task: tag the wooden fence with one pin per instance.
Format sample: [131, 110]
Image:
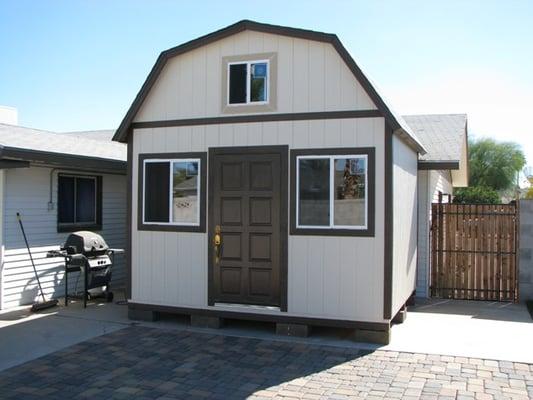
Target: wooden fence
[474, 251]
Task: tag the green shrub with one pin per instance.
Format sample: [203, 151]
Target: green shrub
[476, 195]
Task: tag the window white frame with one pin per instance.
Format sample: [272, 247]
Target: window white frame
[248, 83]
[331, 159]
[76, 177]
[171, 162]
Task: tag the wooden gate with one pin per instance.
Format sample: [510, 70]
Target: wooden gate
[474, 251]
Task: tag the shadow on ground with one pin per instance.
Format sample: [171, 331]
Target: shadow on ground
[142, 362]
[489, 310]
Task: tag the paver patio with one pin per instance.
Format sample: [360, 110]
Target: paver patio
[149, 363]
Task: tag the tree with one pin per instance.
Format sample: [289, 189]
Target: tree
[476, 195]
[495, 164]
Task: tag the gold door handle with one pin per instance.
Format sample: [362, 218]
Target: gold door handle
[217, 243]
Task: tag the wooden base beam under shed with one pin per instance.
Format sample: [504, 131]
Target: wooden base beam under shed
[372, 332]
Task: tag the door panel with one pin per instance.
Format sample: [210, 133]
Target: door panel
[245, 191]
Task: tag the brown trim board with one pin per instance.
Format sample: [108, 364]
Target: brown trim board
[141, 226]
[277, 318]
[371, 171]
[239, 119]
[395, 122]
[283, 151]
[388, 229]
[129, 215]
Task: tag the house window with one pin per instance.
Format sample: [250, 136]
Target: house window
[172, 193]
[79, 202]
[248, 82]
[333, 191]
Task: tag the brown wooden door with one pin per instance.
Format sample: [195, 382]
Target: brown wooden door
[245, 186]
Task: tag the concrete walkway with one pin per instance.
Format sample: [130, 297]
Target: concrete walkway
[489, 330]
[497, 331]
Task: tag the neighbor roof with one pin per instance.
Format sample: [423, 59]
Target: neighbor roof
[394, 120]
[34, 145]
[103, 135]
[443, 136]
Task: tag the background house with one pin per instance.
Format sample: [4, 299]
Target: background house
[59, 183]
[443, 167]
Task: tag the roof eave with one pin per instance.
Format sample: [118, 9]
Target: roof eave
[62, 159]
[438, 165]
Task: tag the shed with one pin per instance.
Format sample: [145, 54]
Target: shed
[305, 208]
[59, 183]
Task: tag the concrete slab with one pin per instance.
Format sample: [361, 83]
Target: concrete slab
[498, 331]
[489, 330]
[25, 336]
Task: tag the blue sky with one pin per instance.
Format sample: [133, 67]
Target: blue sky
[77, 65]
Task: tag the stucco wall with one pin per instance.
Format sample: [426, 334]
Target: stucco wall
[525, 279]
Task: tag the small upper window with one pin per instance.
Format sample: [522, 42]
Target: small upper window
[77, 202]
[248, 82]
[172, 192]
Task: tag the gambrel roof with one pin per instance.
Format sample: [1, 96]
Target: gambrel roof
[395, 121]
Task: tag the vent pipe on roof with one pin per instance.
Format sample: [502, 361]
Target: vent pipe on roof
[9, 115]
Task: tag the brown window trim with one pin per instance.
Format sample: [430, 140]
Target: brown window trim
[371, 171]
[73, 227]
[203, 187]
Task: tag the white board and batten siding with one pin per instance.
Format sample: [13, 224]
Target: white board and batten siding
[328, 277]
[310, 77]
[405, 168]
[27, 191]
[430, 183]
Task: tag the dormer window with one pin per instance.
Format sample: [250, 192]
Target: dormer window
[248, 82]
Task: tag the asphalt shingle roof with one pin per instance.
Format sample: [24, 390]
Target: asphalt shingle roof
[441, 134]
[18, 137]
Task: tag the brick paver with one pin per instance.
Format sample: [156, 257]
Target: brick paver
[146, 363]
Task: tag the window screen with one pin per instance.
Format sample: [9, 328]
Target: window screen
[66, 199]
[237, 83]
[156, 191]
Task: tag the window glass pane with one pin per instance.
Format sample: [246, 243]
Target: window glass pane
[258, 81]
[156, 191]
[85, 200]
[65, 199]
[237, 83]
[185, 192]
[349, 186]
[313, 192]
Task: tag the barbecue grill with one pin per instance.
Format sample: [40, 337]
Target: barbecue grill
[88, 253]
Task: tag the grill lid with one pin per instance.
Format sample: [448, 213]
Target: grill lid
[87, 243]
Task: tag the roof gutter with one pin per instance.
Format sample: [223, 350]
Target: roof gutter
[438, 164]
[61, 159]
